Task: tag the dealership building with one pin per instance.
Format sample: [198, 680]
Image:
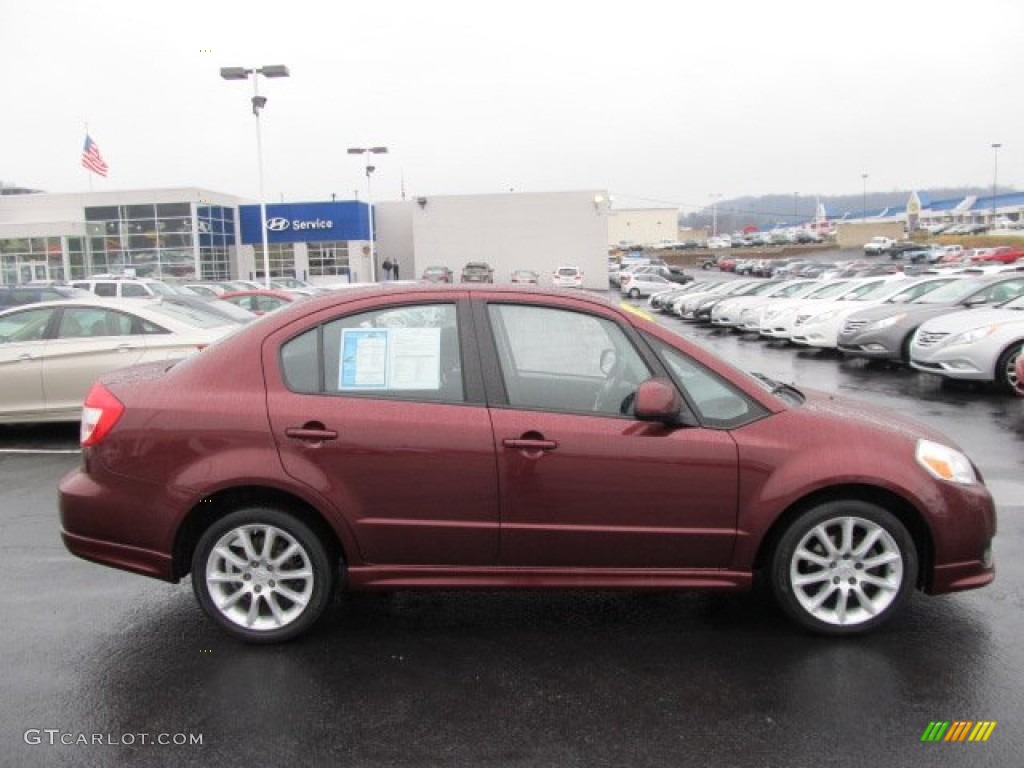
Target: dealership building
[192, 233]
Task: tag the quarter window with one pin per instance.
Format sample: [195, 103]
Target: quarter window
[717, 403]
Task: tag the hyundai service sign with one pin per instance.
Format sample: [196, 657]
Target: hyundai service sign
[306, 222]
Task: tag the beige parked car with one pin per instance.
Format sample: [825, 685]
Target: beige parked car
[51, 352]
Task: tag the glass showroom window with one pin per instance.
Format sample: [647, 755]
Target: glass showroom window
[328, 259]
[77, 258]
[282, 260]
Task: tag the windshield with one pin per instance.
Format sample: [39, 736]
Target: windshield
[870, 291]
[830, 290]
[190, 315]
[952, 293]
[161, 288]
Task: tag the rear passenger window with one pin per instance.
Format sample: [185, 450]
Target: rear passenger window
[105, 289]
[409, 352]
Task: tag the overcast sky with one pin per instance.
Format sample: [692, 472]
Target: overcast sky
[656, 101]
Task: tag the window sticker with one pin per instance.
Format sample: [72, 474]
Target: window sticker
[390, 358]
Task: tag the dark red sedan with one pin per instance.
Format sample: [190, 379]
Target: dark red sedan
[260, 301]
[443, 437]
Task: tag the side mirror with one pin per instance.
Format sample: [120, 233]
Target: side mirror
[658, 400]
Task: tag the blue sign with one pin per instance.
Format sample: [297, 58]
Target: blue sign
[306, 222]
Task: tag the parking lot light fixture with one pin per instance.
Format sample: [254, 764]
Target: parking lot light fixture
[864, 199]
[367, 152]
[995, 178]
[258, 103]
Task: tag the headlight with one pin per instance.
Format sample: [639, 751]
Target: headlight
[969, 337]
[945, 463]
[823, 317]
[887, 322]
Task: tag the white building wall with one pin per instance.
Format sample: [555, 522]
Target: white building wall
[46, 207]
[514, 231]
[394, 222]
[643, 226]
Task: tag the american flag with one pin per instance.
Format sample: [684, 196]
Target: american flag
[91, 157]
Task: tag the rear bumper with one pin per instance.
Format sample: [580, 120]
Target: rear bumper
[94, 520]
[127, 558]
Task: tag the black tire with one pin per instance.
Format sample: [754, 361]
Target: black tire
[1005, 374]
[634, 293]
[246, 595]
[854, 592]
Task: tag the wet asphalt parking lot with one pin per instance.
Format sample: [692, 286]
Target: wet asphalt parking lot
[521, 679]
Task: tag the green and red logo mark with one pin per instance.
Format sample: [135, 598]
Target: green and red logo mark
[958, 730]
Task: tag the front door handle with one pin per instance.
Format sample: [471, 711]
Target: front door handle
[311, 433]
[526, 444]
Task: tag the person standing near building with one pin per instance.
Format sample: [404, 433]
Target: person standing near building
[386, 266]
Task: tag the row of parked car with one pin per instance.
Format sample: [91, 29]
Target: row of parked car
[955, 325]
[568, 276]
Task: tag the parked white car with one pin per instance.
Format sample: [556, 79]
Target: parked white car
[567, 277]
[728, 313]
[774, 320]
[973, 344]
[52, 352]
[877, 245]
[639, 284]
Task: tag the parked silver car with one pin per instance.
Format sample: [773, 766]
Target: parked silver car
[975, 344]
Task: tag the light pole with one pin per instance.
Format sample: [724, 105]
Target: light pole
[864, 199]
[714, 213]
[366, 152]
[995, 178]
[258, 102]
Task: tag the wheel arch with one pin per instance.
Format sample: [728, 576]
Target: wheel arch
[900, 507]
[217, 505]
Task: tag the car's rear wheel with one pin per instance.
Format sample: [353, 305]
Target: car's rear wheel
[262, 575]
[843, 567]
[634, 293]
[1006, 370]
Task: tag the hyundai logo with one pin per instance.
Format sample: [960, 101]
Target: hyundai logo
[278, 224]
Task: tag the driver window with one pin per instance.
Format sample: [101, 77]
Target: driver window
[560, 360]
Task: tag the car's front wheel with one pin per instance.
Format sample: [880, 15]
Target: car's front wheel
[262, 575]
[634, 294]
[1006, 370]
[843, 567]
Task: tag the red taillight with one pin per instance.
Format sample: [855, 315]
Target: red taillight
[100, 413]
